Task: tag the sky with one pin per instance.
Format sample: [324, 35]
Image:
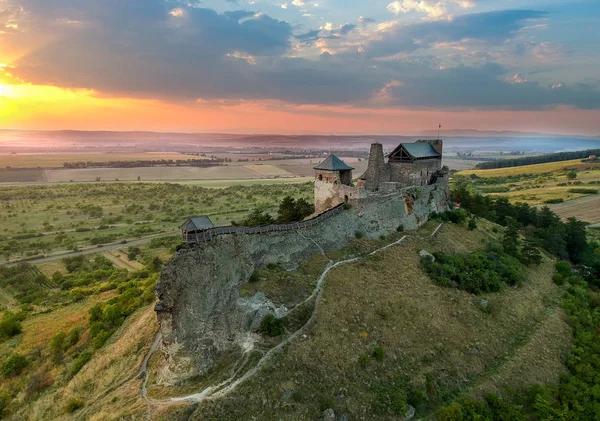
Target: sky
[298, 66]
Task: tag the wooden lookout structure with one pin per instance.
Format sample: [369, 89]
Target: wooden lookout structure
[195, 225]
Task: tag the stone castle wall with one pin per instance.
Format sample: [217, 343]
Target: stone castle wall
[200, 312]
[418, 173]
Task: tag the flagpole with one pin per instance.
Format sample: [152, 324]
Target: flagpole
[439, 128]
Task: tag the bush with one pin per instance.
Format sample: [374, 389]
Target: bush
[272, 325]
[358, 235]
[255, 277]
[391, 398]
[10, 326]
[73, 405]
[551, 201]
[13, 366]
[583, 191]
[563, 268]
[400, 228]
[79, 362]
[481, 271]
[364, 360]
[378, 353]
[452, 412]
[472, 224]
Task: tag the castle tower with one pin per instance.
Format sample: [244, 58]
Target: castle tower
[376, 169]
[331, 178]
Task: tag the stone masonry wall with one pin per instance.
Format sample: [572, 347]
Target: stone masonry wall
[200, 312]
[418, 173]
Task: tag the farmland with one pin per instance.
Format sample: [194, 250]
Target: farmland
[50, 160]
[550, 167]
[45, 219]
[570, 188]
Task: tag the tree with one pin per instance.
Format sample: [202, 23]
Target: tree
[576, 239]
[571, 175]
[255, 219]
[510, 241]
[291, 210]
[530, 255]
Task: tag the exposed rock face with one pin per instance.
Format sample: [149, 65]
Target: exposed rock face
[200, 311]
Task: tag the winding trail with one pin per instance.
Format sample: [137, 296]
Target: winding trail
[224, 388]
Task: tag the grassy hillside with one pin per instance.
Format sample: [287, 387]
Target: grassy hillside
[383, 328]
[531, 169]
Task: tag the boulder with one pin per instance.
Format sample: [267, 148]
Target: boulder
[425, 253]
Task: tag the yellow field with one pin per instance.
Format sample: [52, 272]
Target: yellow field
[268, 171]
[526, 169]
[57, 160]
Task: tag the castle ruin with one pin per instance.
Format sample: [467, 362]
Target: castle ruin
[410, 164]
[201, 313]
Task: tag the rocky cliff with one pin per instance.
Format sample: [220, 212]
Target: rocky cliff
[200, 311]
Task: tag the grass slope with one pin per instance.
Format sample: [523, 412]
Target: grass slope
[432, 338]
[530, 169]
[106, 386]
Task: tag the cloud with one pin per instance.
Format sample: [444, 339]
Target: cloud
[434, 9]
[516, 78]
[491, 27]
[484, 87]
[171, 51]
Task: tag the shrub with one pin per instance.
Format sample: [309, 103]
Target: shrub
[364, 360]
[452, 412]
[358, 235]
[551, 201]
[390, 397]
[79, 362]
[378, 353]
[400, 228]
[255, 277]
[272, 325]
[472, 224]
[13, 365]
[481, 271]
[563, 268]
[583, 191]
[10, 325]
[101, 338]
[73, 405]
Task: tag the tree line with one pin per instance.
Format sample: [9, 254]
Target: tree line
[146, 163]
[539, 159]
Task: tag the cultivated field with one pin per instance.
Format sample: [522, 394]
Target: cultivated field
[585, 208]
[549, 167]
[570, 188]
[233, 172]
[24, 160]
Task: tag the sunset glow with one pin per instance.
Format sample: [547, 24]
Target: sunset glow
[327, 67]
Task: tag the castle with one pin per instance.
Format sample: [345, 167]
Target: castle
[200, 310]
[410, 164]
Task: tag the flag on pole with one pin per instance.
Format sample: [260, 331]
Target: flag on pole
[440, 126]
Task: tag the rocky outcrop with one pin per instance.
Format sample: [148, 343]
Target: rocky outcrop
[200, 312]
